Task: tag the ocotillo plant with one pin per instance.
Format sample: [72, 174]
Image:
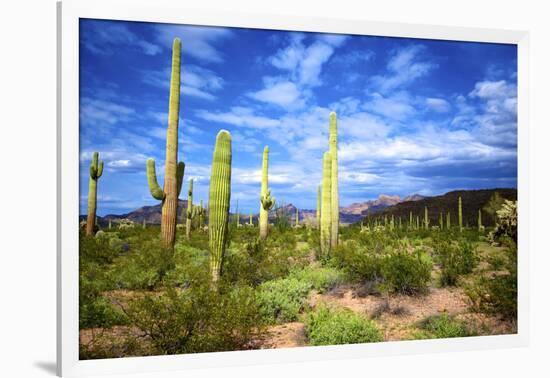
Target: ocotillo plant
[96, 170]
[426, 218]
[318, 206]
[173, 171]
[460, 213]
[448, 220]
[334, 197]
[266, 200]
[190, 210]
[326, 206]
[219, 201]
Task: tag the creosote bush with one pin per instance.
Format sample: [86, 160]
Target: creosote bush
[282, 300]
[442, 327]
[455, 259]
[326, 326]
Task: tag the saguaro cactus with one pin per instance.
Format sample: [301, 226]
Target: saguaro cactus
[297, 218]
[110, 224]
[440, 220]
[318, 214]
[448, 220]
[96, 170]
[460, 213]
[410, 219]
[334, 197]
[266, 200]
[417, 222]
[144, 223]
[191, 211]
[479, 221]
[426, 218]
[326, 206]
[200, 212]
[173, 171]
[250, 220]
[219, 202]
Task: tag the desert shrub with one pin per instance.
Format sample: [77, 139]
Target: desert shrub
[144, 267]
[495, 290]
[454, 259]
[441, 327]
[283, 299]
[320, 278]
[197, 319]
[359, 264]
[406, 273]
[190, 266]
[342, 326]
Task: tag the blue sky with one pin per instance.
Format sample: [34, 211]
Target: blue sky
[414, 116]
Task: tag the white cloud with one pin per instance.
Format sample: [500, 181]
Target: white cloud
[197, 41]
[438, 105]
[195, 81]
[403, 68]
[103, 37]
[96, 112]
[282, 93]
[397, 106]
[239, 116]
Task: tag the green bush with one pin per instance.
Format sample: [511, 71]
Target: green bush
[407, 273]
[320, 279]
[495, 291]
[142, 268]
[442, 327]
[331, 327]
[190, 266]
[283, 299]
[197, 319]
[454, 260]
[359, 264]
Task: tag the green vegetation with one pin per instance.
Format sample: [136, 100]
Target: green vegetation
[326, 326]
[442, 327]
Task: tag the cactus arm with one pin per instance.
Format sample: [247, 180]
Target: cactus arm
[154, 187]
[179, 175]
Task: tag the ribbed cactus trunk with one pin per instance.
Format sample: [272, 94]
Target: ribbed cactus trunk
[426, 218]
[448, 220]
[460, 213]
[266, 201]
[173, 171]
[326, 205]
[440, 220]
[318, 214]
[335, 200]
[411, 219]
[219, 202]
[189, 212]
[96, 170]
[201, 215]
[479, 221]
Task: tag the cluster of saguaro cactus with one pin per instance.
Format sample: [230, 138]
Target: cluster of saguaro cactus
[460, 213]
[326, 206]
[173, 171]
[334, 197]
[266, 200]
[96, 170]
[219, 202]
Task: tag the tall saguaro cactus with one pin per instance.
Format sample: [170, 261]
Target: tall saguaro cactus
[440, 220]
[297, 218]
[326, 205]
[448, 220]
[173, 171]
[334, 197]
[266, 200]
[479, 221]
[190, 210]
[200, 212]
[318, 214]
[96, 170]
[426, 218]
[410, 219]
[219, 202]
[460, 213]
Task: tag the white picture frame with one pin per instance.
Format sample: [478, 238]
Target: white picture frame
[69, 12]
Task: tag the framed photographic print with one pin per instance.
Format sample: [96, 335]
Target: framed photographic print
[238, 188]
